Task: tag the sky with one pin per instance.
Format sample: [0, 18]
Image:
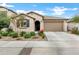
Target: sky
[66, 10]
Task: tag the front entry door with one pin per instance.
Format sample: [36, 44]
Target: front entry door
[37, 25]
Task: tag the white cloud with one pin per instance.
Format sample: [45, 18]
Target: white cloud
[21, 11]
[61, 10]
[6, 5]
[26, 11]
[74, 9]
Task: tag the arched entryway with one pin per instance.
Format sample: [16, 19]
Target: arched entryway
[37, 25]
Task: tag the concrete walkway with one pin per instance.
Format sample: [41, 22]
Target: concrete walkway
[59, 43]
[10, 51]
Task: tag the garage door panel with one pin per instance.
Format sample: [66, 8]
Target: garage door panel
[54, 26]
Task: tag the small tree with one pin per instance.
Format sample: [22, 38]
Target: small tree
[20, 21]
[75, 19]
[4, 20]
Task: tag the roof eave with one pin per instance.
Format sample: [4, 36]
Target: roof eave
[8, 9]
[35, 13]
[23, 14]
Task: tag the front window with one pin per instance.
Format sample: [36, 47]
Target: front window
[24, 23]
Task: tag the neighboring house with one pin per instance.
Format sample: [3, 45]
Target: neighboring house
[8, 12]
[72, 25]
[35, 22]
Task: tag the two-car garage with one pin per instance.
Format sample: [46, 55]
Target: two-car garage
[54, 24]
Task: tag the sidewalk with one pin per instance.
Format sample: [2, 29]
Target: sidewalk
[58, 43]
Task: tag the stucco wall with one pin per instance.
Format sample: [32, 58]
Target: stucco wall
[38, 18]
[65, 25]
[13, 25]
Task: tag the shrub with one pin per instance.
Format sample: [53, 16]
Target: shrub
[0, 36]
[32, 33]
[4, 33]
[22, 33]
[4, 29]
[9, 30]
[0, 32]
[74, 30]
[13, 34]
[41, 34]
[27, 35]
[4, 20]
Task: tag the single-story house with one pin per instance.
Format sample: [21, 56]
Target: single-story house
[33, 21]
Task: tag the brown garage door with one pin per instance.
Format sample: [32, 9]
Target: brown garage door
[53, 25]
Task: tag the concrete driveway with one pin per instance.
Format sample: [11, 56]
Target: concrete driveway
[60, 36]
[62, 43]
[59, 43]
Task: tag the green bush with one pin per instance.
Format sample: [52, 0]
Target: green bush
[4, 33]
[13, 34]
[0, 32]
[4, 20]
[9, 30]
[22, 33]
[27, 35]
[32, 33]
[0, 36]
[75, 31]
[41, 34]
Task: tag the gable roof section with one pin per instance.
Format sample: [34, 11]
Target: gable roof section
[8, 9]
[34, 13]
[52, 17]
[23, 14]
[48, 17]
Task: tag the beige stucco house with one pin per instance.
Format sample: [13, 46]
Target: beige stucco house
[33, 21]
